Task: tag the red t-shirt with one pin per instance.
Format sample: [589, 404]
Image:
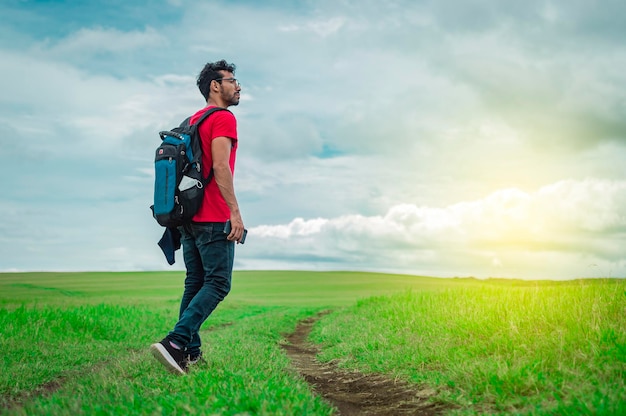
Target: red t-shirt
[218, 124]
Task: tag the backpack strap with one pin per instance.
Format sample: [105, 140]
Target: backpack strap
[206, 114]
[196, 133]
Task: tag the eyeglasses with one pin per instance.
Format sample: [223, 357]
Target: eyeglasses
[233, 80]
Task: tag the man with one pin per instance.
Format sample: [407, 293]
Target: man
[207, 250]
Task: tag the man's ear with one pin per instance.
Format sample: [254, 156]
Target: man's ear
[214, 86]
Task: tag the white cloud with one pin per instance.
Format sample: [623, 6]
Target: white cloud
[321, 28]
[91, 41]
[98, 112]
[556, 221]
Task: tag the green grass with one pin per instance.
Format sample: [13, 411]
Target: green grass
[247, 373]
[258, 287]
[547, 349]
[77, 343]
[43, 344]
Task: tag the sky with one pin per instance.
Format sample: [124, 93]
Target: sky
[476, 138]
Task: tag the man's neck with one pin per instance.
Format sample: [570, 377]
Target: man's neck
[216, 103]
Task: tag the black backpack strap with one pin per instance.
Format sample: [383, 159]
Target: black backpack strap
[185, 122]
[206, 181]
[195, 127]
[206, 114]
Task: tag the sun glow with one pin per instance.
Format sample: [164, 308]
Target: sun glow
[508, 231]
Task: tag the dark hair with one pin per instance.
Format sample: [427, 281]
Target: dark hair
[209, 73]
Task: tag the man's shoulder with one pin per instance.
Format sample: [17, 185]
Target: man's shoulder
[222, 113]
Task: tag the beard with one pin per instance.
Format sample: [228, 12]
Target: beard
[231, 100]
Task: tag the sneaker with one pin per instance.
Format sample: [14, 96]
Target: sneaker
[170, 357]
[194, 358]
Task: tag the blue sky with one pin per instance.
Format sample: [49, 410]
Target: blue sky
[480, 138]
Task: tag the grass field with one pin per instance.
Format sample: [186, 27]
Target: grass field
[77, 343]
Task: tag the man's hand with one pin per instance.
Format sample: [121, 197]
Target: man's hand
[236, 228]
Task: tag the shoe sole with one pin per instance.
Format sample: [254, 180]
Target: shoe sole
[164, 357]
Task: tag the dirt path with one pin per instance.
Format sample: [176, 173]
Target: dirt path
[50, 387]
[353, 393]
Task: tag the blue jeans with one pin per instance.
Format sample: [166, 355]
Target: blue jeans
[209, 260]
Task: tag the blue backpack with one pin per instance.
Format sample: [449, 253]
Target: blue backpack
[179, 183]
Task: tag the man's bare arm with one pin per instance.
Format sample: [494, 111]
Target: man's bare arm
[220, 150]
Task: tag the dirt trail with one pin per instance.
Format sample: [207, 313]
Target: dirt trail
[50, 387]
[353, 393]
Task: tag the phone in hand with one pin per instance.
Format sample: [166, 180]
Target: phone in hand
[227, 231]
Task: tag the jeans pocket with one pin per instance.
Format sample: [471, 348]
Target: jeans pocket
[203, 233]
